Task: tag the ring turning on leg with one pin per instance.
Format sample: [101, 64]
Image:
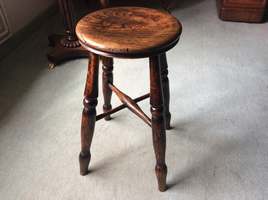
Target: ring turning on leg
[107, 77]
[89, 113]
[166, 90]
[158, 123]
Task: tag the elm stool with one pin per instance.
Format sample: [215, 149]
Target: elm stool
[128, 32]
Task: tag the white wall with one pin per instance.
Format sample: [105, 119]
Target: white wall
[22, 12]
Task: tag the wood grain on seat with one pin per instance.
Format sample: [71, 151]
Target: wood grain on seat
[128, 31]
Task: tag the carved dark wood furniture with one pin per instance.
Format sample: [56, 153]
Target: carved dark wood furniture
[242, 10]
[128, 32]
[66, 46]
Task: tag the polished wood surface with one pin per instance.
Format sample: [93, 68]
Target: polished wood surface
[131, 104]
[139, 38]
[126, 31]
[105, 3]
[89, 112]
[121, 107]
[107, 78]
[61, 53]
[66, 46]
[242, 10]
[166, 92]
[158, 123]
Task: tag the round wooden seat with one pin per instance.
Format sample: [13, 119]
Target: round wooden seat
[128, 32]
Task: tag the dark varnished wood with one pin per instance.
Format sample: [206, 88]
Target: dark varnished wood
[242, 10]
[118, 108]
[105, 3]
[89, 112]
[158, 123]
[128, 32]
[62, 53]
[166, 90]
[65, 46]
[107, 77]
[131, 104]
[119, 22]
[66, 8]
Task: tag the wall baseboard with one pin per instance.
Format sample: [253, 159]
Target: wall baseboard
[17, 38]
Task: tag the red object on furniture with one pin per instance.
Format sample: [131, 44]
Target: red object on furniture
[242, 10]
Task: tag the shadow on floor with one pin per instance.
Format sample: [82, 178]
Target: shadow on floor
[22, 67]
[197, 133]
[200, 130]
[220, 135]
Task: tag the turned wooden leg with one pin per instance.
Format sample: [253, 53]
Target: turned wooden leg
[166, 91]
[107, 77]
[158, 123]
[89, 112]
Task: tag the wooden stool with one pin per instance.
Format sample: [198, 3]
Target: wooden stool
[128, 32]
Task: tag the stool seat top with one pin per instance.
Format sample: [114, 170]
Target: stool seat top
[128, 32]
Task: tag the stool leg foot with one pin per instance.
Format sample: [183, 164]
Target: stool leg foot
[89, 113]
[166, 90]
[84, 159]
[107, 77]
[161, 173]
[158, 123]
